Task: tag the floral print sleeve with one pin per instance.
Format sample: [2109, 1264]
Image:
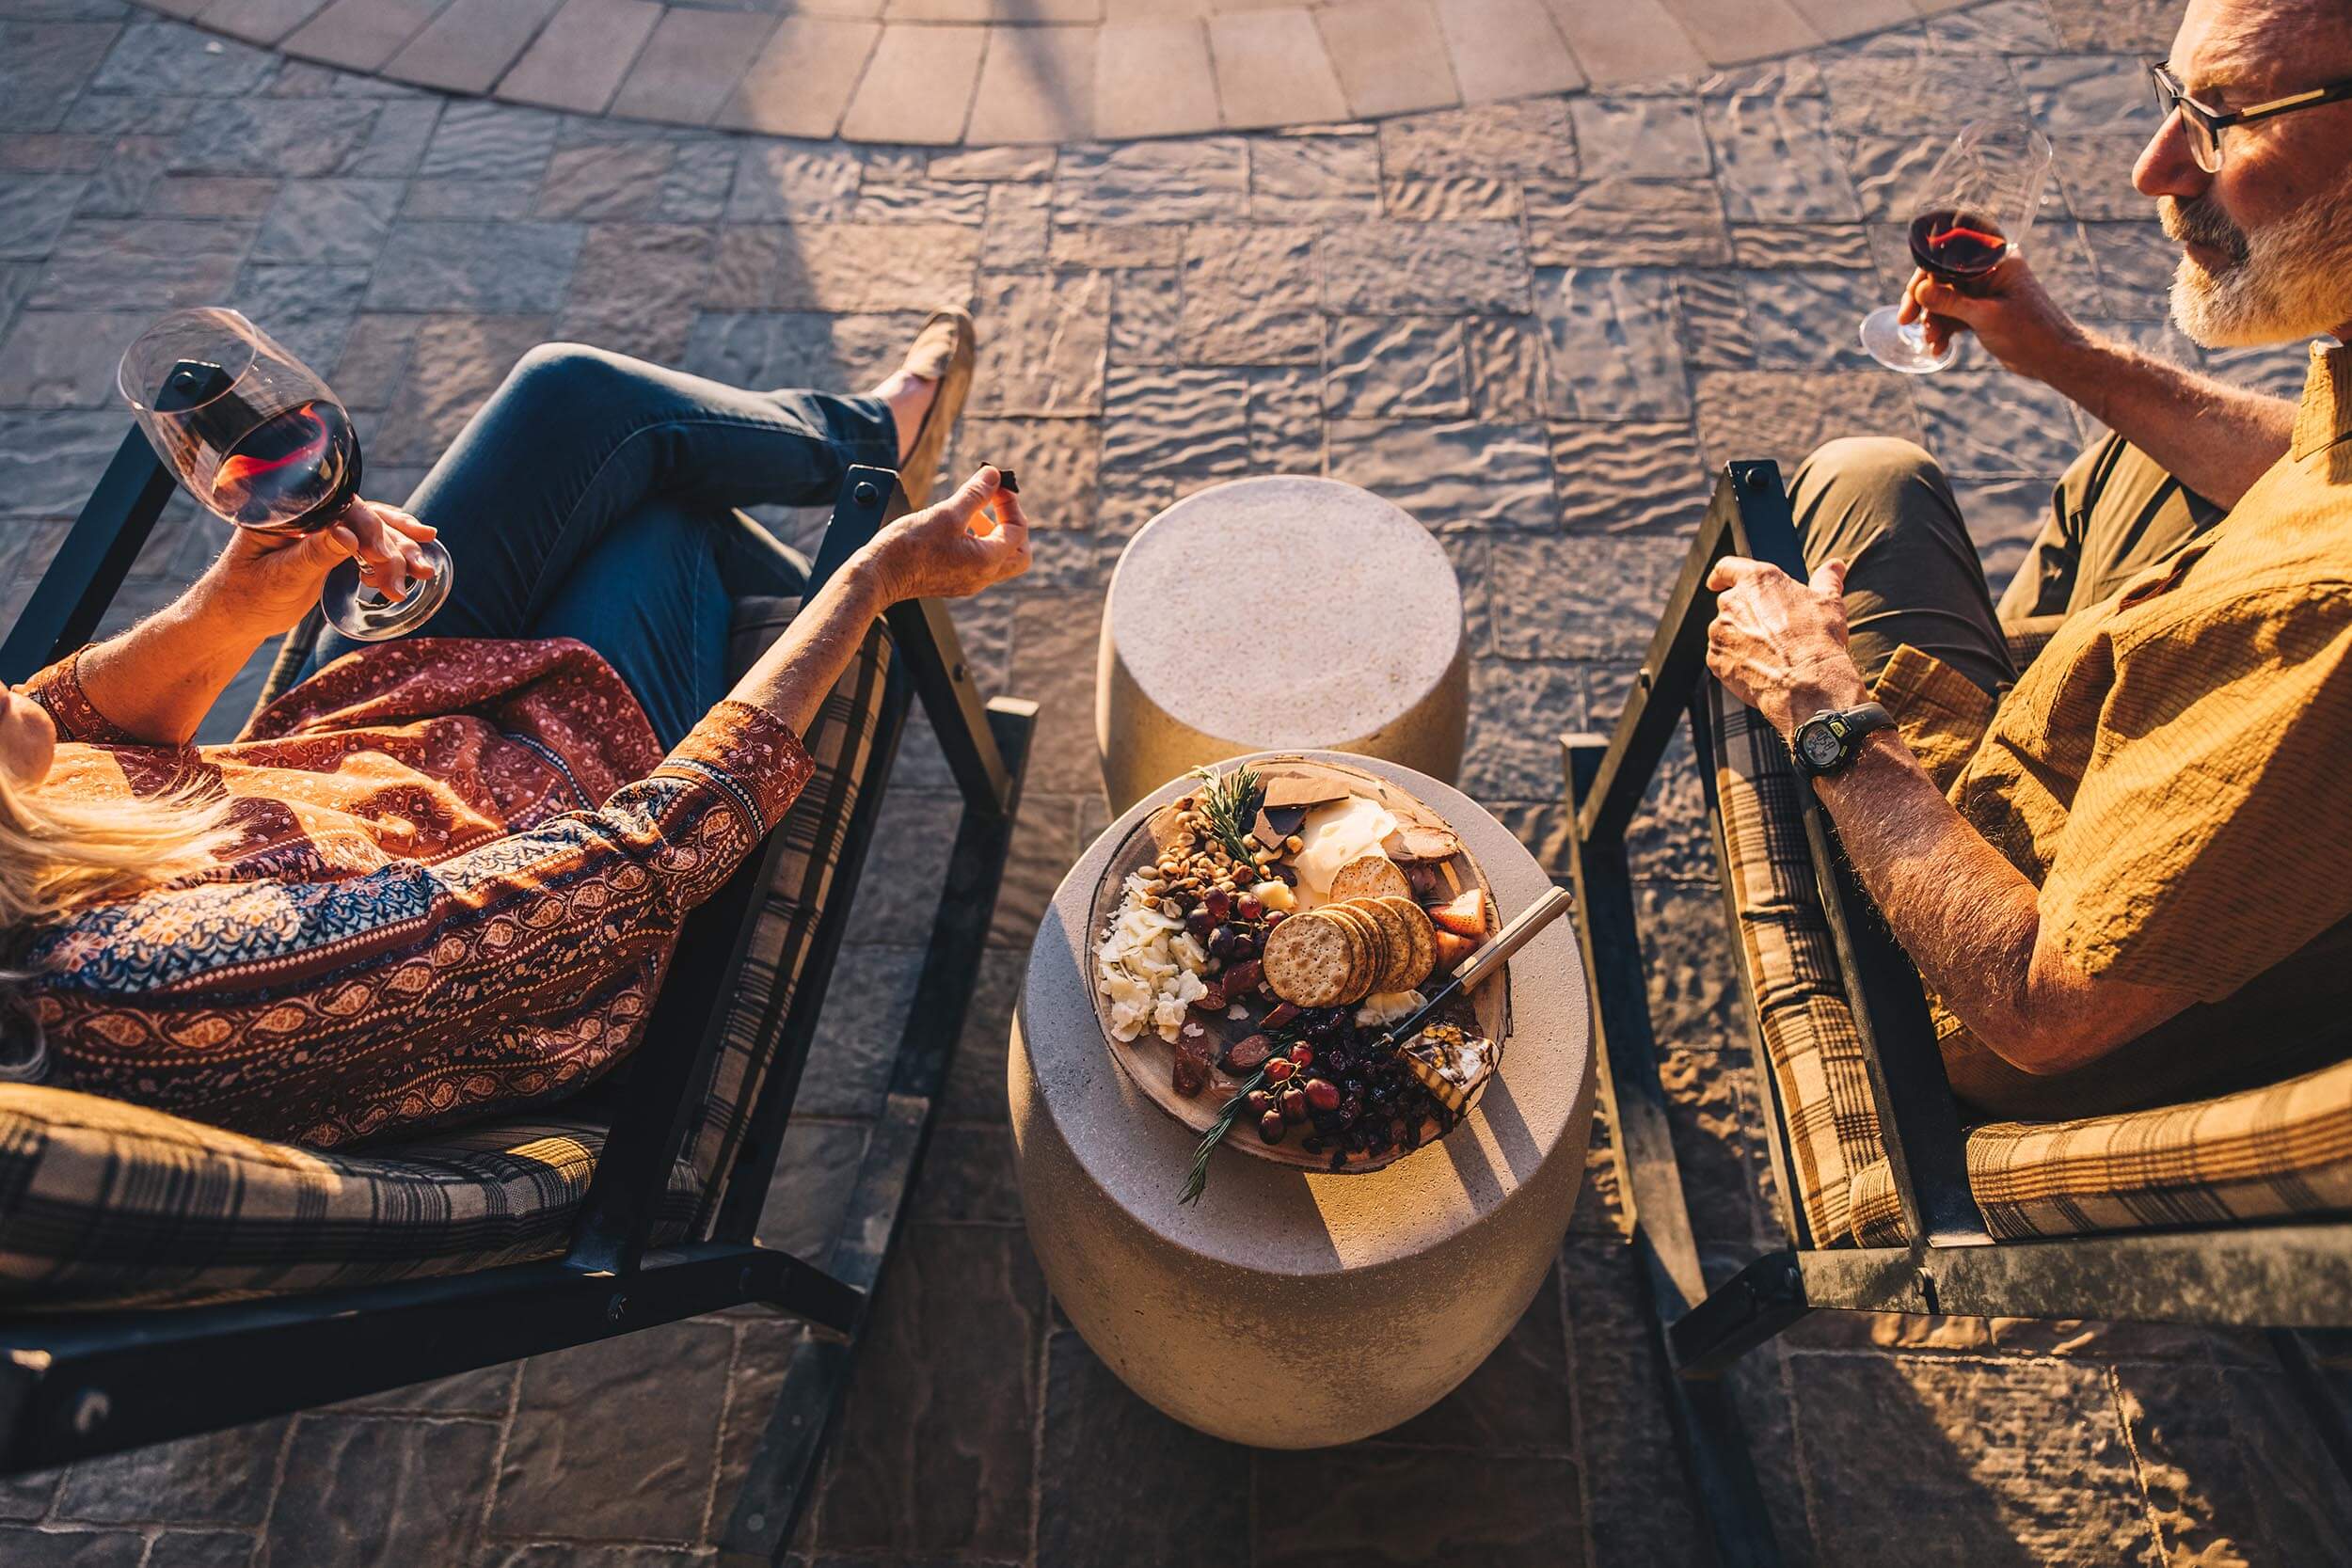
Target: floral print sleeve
[513, 972]
[58, 689]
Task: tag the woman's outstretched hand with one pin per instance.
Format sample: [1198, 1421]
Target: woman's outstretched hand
[938, 554]
[272, 579]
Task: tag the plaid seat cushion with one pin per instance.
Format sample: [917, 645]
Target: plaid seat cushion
[1806, 1023]
[2283, 1149]
[102, 1201]
[841, 742]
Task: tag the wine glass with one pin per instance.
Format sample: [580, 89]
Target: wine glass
[1973, 209]
[254, 434]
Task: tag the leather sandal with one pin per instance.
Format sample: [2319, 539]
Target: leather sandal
[942, 354]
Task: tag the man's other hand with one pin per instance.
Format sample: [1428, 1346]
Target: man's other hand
[2009, 310]
[1778, 644]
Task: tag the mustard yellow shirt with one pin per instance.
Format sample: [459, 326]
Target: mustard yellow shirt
[2174, 773]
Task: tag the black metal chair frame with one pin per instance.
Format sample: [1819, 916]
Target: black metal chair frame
[2282, 1276]
[75, 1386]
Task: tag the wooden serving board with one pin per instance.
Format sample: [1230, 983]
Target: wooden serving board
[1148, 1060]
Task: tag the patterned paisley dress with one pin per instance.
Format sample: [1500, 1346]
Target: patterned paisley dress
[460, 869]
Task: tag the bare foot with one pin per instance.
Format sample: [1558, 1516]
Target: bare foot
[910, 398]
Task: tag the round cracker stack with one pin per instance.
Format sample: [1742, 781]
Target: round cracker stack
[1342, 952]
[1309, 960]
[1422, 936]
[1396, 945]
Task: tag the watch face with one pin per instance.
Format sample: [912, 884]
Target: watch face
[1818, 745]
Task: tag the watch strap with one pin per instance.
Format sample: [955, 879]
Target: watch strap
[1850, 725]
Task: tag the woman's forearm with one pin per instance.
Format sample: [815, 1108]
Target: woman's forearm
[790, 680]
[158, 680]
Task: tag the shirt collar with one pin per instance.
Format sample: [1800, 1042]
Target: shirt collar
[2324, 414]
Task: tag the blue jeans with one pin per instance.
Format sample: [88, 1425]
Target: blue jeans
[591, 498]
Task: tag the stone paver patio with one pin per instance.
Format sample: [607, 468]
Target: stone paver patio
[1535, 325]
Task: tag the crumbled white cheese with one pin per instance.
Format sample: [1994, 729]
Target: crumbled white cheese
[1149, 966]
[1386, 1006]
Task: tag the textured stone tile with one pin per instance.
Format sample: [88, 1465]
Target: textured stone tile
[1369, 1502]
[64, 359]
[933, 1451]
[43, 66]
[976, 1079]
[1044, 341]
[30, 1548]
[1450, 475]
[2003, 28]
[1598, 596]
[1090, 247]
[1716, 332]
[484, 1392]
[1639, 478]
[605, 181]
[141, 263]
[2089, 94]
[815, 1171]
[918, 86]
[1532, 139]
[1057, 458]
[489, 141]
[2141, 27]
[307, 308]
[1287, 428]
[1505, 48]
[1926, 95]
[1771, 244]
[691, 65]
[1614, 352]
[1315, 179]
[329, 222]
[496, 269]
[278, 137]
[360, 34]
[1046, 841]
[1642, 1507]
[1037, 85]
[1451, 199]
[378, 1489]
[1507, 375]
[1642, 138]
[1396, 366]
[799, 84]
[28, 1496]
[1389, 56]
[1249, 296]
[35, 209]
[1054, 639]
[222, 1478]
[1410, 269]
[200, 1549]
[1190, 424]
[1808, 319]
[47, 458]
[636, 287]
[2009, 1457]
[967, 1178]
[2135, 264]
[1517, 1400]
[455, 363]
[580, 56]
[1094, 1427]
[467, 198]
[1272, 70]
[1984, 424]
[1154, 183]
[1145, 307]
[867, 1004]
[1152, 78]
[1626, 223]
[2232, 1465]
[467, 47]
[643, 1470]
[1774, 162]
[395, 141]
[1016, 164]
[1785, 415]
[793, 183]
[1635, 42]
[163, 57]
[1730, 32]
[851, 266]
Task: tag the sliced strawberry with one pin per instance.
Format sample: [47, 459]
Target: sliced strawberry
[1466, 916]
[1453, 949]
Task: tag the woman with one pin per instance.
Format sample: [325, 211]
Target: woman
[442, 876]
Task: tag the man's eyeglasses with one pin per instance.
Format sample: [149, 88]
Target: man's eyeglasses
[2204, 123]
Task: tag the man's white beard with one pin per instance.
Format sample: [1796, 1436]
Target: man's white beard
[2294, 282]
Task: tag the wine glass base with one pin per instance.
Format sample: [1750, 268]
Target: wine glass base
[362, 615]
[1903, 348]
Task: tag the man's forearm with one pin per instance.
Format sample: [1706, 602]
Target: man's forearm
[2213, 438]
[159, 679]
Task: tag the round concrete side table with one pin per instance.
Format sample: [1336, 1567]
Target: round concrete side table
[1292, 1309]
[1348, 601]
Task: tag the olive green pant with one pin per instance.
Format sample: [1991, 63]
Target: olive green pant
[1913, 577]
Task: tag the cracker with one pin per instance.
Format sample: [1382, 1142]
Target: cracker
[1396, 944]
[1309, 959]
[1423, 937]
[1369, 877]
[1370, 952]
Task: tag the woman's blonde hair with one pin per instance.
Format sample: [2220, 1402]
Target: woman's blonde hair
[61, 850]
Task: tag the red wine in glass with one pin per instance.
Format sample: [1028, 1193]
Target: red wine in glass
[294, 472]
[1957, 245]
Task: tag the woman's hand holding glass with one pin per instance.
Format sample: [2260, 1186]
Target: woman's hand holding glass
[940, 552]
[270, 580]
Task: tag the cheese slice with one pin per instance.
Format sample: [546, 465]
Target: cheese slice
[1334, 834]
[1453, 1062]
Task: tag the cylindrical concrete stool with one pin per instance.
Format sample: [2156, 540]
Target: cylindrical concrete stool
[1292, 1309]
[1279, 614]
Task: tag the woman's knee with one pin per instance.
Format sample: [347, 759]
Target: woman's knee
[561, 372]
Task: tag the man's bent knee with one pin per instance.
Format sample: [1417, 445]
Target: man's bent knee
[1874, 464]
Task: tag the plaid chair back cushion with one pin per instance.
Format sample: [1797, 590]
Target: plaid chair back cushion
[1815, 1053]
[102, 1201]
[841, 742]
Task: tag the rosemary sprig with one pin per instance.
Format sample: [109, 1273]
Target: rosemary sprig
[1229, 802]
[1197, 1179]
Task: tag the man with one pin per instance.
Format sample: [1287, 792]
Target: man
[2124, 872]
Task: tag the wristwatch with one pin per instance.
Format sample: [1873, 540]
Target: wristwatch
[1831, 738]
